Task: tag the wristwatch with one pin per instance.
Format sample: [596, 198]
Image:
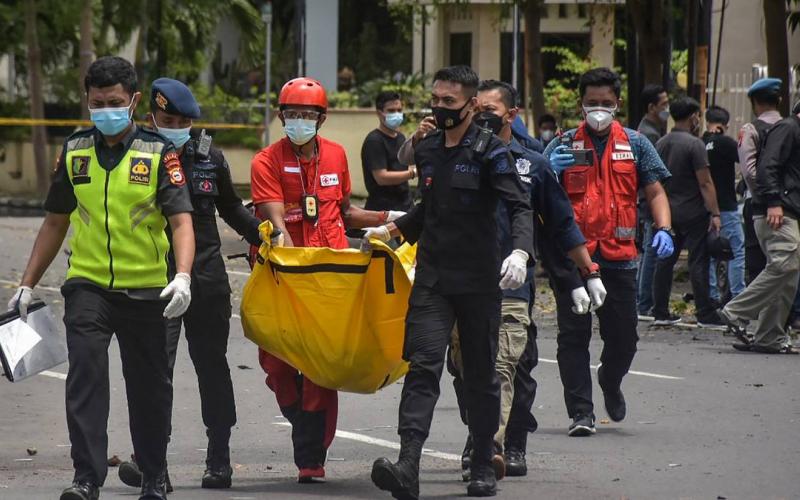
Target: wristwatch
[668, 230]
[593, 271]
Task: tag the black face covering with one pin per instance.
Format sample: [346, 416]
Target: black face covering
[487, 119]
[448, 118]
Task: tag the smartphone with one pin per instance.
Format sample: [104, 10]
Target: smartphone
[582, 156]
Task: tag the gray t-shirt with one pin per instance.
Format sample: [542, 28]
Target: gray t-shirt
[650, 130]
[683, 154]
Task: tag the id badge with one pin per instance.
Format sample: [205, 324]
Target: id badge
[310, 204]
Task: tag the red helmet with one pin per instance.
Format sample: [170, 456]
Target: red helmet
[303, 92]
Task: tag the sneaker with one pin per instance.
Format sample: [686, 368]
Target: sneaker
[712, 321]
[582, 425]
[671, 319]
[309, 475]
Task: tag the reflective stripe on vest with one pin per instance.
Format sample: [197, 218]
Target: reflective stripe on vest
[604, 195]
[118, 239]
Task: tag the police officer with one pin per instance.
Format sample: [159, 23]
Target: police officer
[517, 350]
[603, 192]
[117, 185]
[463, 173]
[764, 97]
[207, 321]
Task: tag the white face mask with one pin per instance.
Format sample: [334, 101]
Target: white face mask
[599, 118]
[547, 135]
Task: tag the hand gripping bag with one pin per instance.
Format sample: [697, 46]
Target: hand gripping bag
[338, 316]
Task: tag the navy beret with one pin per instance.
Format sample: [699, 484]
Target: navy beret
[766, 86]
[173, 97]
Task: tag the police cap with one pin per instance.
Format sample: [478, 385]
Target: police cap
[765, 86]
[173, 97]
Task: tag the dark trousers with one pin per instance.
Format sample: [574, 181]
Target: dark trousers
[618, 320]
[754, 259]
[521, 420]
[207, 327]
[692, 236]
[92, 316]
[429, 323]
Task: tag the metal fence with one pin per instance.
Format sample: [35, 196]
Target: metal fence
[732, 95]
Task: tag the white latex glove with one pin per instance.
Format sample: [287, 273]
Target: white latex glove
[514, 270]
[21, 299]
[393, 215]
[581, 300]
[378, 233]
[180, 289]
[597, 291]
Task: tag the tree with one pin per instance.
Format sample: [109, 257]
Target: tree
[651, 36]
[775, 26]
[86, 54]
[36, 99]
[533, 56]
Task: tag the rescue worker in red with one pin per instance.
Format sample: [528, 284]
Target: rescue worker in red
[602, 165]
[301, 183]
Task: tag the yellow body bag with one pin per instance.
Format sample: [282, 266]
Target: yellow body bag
[338, 316]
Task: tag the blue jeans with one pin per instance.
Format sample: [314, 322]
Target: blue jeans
[647, 266]
[731, 229]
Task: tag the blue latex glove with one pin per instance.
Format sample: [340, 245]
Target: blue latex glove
[663, 244]
[560, 161]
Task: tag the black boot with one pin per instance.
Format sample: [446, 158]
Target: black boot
[466, 454]
[482, 473]
[218, 460]
[401, 478]
[130, 474]
[80, 491]
[154, 488]
[516, 464]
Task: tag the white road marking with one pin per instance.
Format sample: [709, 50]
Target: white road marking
[38, 287]
[234, 315]
[383, 443]
[48, 373]
[238, 273]
[632, 372]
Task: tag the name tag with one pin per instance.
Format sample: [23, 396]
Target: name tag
[577, 144]
[329, 180]
[621, 146]
[291, 170]
[622, 156]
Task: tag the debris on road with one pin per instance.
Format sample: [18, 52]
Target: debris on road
[31, 451]
[114, 461]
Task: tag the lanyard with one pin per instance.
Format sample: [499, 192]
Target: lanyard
[316, 173]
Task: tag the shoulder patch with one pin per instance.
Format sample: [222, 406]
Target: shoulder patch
[172, 163]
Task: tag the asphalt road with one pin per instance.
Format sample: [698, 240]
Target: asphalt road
[704, 422]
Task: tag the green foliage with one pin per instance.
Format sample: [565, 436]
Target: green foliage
[413, 90]
[680, 61]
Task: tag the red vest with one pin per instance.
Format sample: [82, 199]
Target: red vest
[604, 195]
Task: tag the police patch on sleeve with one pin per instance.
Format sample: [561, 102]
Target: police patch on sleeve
[174, 170]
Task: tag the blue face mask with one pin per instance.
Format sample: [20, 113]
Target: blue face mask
[394, 120]
[299, 130]
[178, 136]
[111, 121]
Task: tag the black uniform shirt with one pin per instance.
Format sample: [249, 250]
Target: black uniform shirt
[723, 156]
[211, 187]
[778, 173]
[455, 224]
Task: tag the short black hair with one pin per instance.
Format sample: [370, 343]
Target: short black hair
[464, 75]
[546, 118]
[717, 114]
[600, 77]
[767, 97]
[385, 96]
[683, 107]
[110, 70]
[650, 95]
[508, 94]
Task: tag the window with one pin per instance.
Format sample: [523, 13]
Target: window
[582, 11]
[562, 11]
[461, 49]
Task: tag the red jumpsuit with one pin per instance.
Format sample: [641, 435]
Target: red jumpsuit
[276, 176]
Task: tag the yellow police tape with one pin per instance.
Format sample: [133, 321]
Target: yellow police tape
[338, 316]
[29, 122]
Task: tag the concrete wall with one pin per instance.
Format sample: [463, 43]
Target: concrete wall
[322, 36]
[347, 127]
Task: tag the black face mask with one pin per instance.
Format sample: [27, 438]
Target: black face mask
[448, 118]
[487, 119]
